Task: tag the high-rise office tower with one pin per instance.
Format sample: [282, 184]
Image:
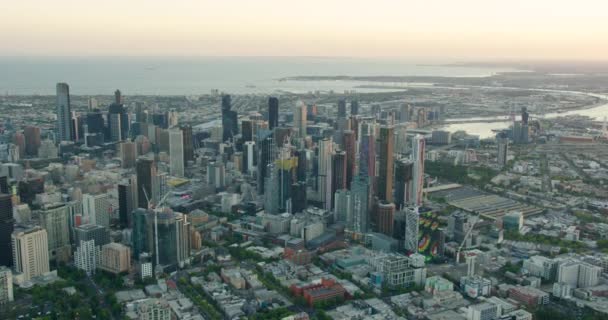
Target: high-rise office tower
[229, 119]
[272, 197]
[341, 108]
[87, 232]
[247, 130]
[30, 252]
[172, 118]
[55, 220]
[117, 97]
[19, 141]
[360, 201]
[502, 143]
[32, 140]
[266, 155]
[92, 104]
[524, 116]
[343, 206]
[404, 112]
[127, 201]
[118, 122]
[385, 215]
[411, 229]
[354, 107]
[6, 229]
[95, 122]
[324, 176]
[273, 112]
[146, 171]
[128, 154]
[350, 147]
[299, 118]
[418, 155]
[97, 209]
[249, 157]
[64, 113]
[386, 174]
[367, 156]
[140, 114]
[298, 197]
[176, 152]
[216, 175]
[188, 143]
[403, 182]
[173, 238]
[303, 162]
[338, 172]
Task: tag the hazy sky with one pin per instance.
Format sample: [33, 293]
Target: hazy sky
[452, 29]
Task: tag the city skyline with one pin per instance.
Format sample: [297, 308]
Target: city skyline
[463, 30]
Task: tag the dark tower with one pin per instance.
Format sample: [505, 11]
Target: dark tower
[342, 109]
[188, 144]
[229, 119]
[338, 173]
[146, 171]
[386, 174]
[403, 181]
[354, 108]
[273, 113]
[351, 156]
[6, 229]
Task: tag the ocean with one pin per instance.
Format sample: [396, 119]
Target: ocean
[194, 76]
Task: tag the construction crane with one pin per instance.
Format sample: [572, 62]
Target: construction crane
[466, 236]
[155, 209]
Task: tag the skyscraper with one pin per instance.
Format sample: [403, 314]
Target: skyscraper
[176, 152]
[386, 174]
[249, 156]
[338, 172]
[97, 209]
[403, 182]
[411, 229]
[341, 109]
[359, 222]
[229, 119]
[32, 140]
[19, 141]
[64, 113]
[30, 252]
[146, 171]
[128, 154]
[273, 112]
[55, 221]
[350, 148]
[87, 232]
[354, 107]
[188, 143]
[367, 156]
[6, 229]
[385, 215]
[299, 118]
[118, 122]
[266, 155]
[418, 149]
[324, 176]
[127, 201]
[503, 147]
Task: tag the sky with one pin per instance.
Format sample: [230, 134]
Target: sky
[432, 29]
